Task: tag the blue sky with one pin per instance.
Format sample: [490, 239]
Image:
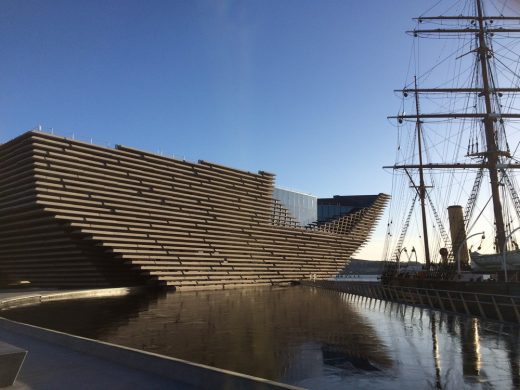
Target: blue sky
[294, 87]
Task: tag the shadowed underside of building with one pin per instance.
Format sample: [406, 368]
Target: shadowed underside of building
[74, 214]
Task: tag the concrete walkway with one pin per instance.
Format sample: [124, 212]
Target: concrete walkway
[51, 366]
[57, 360]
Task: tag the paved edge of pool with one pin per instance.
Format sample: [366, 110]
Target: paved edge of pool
[177, 370]
[14, 298]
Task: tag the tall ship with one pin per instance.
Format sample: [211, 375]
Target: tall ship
[456, 203]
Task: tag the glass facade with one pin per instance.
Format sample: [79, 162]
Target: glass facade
[340, 205]
[303, 207]
[328, 211]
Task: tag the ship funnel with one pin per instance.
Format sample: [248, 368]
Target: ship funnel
[458, 234]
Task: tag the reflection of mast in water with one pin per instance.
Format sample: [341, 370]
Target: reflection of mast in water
[436, 359]
[512, 354]
[470, 347]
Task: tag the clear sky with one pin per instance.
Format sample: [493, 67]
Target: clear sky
[294, 87]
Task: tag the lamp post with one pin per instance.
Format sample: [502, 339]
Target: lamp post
[460, 247]
[415, 253]
[399, 258]
[504, 264]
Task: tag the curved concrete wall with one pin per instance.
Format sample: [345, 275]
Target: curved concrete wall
[76, 214]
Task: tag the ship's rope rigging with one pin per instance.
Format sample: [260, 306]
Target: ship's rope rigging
[500, 12]
[445, 238]
[460, 139]
[406, 225]
[470, 206]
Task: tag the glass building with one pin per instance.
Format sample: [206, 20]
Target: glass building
[339, 205]
[303, 207]
[307, 209]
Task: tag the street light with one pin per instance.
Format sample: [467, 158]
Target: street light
[460, 247]
[399, 258]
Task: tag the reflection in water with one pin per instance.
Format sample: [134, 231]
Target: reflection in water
[277, 333]
[305, 336]
[470, 347]
[463, 352]
[436, 358]
[512, 349]
[96, 318]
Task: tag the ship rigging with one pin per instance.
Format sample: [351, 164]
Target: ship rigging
[460, 132]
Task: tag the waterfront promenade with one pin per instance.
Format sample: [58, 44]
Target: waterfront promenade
[60, 360]
[51, 366]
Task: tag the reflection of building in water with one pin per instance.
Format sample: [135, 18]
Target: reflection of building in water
[92, 318]
[280, 333]
[350, 359]
[297, 333]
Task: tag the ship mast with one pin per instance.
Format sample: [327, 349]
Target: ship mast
[421, 191]
[489, 128]
[481, 28]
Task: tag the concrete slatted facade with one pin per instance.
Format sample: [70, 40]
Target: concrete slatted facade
[76, 214]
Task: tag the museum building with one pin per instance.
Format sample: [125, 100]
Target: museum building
[73, 214]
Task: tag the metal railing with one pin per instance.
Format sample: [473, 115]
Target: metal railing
[504, 308]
